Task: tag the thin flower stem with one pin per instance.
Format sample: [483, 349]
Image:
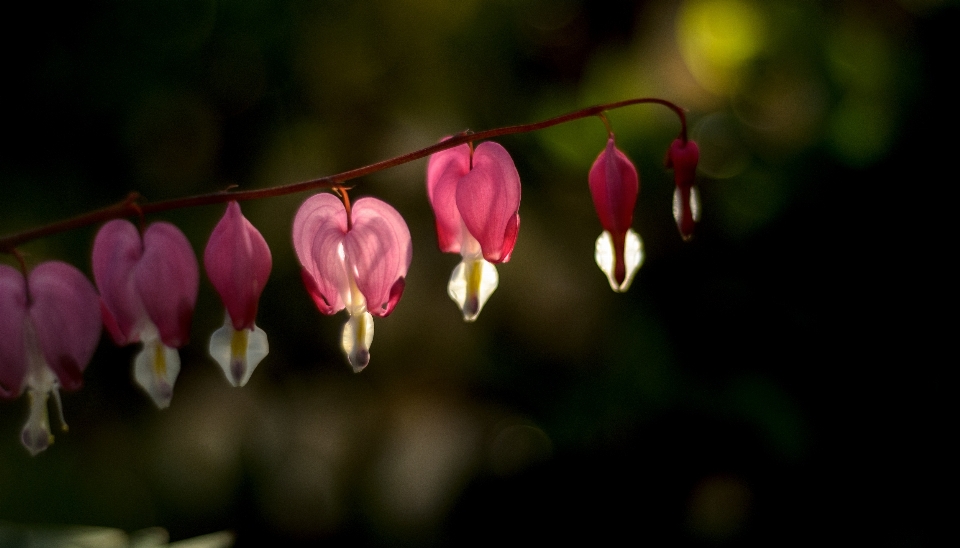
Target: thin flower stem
[131, 205]
[606, 123]
[345, 198]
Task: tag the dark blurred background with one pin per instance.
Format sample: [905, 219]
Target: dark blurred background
[774, 381]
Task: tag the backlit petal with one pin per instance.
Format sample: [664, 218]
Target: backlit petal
[321, 223]
[167, 278]
[488, 198]
[614, 186]
[238, 263]
[356, 339]
[379, 251]
[444, 170]
[471, 284]
[605, 255]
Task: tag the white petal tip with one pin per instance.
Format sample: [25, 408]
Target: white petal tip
[606, 260]
[155, 370]
[238, 352]
[35, 440]
[471, 284]
[356, 340]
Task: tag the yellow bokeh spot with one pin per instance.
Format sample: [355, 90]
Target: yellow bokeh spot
[718, 39]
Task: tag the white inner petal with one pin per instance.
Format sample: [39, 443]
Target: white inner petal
[238, 352]
[356, 340]
[695, 203]
[471, 284]
[677, 205]
[40, 382]
[633, 258]
[156, 368]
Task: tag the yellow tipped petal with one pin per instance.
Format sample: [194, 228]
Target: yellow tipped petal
[155, 369]
[471, 284]
[356, 340]
[238, 352]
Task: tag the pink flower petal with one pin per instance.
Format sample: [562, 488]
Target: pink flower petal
[116, 251]
[167, 278]
[488, 198]
[379, 248]
[66, 315]
[238, 263]
[13, 358]
[614, 185]
[444, 171]
[321, 220]
[683, 158]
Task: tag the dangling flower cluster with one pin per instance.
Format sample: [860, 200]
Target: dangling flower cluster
[614, 186]
[49, 328]
[354, 258]
[475, 195]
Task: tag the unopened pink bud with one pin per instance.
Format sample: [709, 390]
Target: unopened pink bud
[682, 157]
[614, 185]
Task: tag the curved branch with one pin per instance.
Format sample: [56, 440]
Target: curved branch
[130, 205]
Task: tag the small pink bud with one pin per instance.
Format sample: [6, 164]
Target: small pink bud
[682, 157]
[238, 263]
[614, 185]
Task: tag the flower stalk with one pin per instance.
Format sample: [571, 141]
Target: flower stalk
[131, 205]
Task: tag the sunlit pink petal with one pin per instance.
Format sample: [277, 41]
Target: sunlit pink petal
[614, 185]
[321, 220]
[444, 170]
[116, 251]
[66, 315]
[379, 248]
[488, 198]
[13, 358]
[238, 263]
[167, 278]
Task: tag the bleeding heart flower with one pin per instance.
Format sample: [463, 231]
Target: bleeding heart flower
[475, 195]
[238, 263]
[355, 260]
[49, 328]
[682, 157]
[148, 288]
[614, 185]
